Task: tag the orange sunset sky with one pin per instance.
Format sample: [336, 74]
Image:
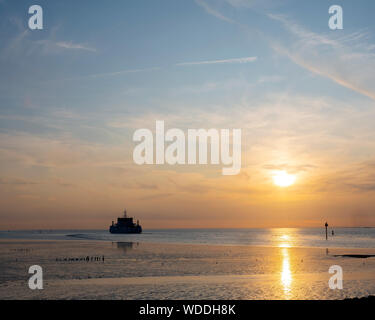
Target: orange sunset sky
[73, 94]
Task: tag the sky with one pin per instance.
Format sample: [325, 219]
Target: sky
[72, 95]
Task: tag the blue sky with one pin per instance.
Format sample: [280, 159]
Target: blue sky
[72, 94]
[135, 46]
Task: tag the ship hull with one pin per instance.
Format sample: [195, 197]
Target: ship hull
[122, 230]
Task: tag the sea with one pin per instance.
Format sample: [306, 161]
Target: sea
[272, 237]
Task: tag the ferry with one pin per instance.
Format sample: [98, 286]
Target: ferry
[125, 224]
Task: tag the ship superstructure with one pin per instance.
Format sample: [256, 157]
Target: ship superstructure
[125, 224]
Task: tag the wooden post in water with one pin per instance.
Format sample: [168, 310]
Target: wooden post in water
[326, 225]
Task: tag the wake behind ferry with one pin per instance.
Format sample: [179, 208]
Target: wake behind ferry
[125, 224]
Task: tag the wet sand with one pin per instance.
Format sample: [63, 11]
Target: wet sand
[110, 270]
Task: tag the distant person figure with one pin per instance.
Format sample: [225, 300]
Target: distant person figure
[333, 232]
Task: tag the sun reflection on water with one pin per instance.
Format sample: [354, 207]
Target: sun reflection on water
[285, 239]
[286, 274]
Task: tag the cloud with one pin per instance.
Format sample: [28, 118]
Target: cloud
[290, 168]
[17, 182]
[210, 10]
[271, 79]
[356, 177]
[235, 60]
[51, 46]
[21, 45]
[128, 71]
[139, 70]
[156, 196]
[116, 73]
[347, 60]
[147, 186]
[74, 46]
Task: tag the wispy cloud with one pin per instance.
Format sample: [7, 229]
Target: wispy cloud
[139, 70]
[17, 182]
[290, 168]
[235, 60]
[74, 46]
[271, 79]
[212, 11]
[22, 44]
[109, 74]
[356, 177]
[116, 73]
[120, 72]
[347, 60]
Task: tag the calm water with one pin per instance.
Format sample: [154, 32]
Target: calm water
[282, 237]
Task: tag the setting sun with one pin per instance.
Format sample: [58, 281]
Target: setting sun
[283, 179]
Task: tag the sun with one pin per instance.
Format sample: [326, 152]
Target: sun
[283, 179]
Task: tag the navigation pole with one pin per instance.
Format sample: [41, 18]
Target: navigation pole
[326, 225]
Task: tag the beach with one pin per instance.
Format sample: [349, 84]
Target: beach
[91, 269]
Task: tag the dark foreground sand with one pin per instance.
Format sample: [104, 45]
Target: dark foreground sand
[76, 270]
